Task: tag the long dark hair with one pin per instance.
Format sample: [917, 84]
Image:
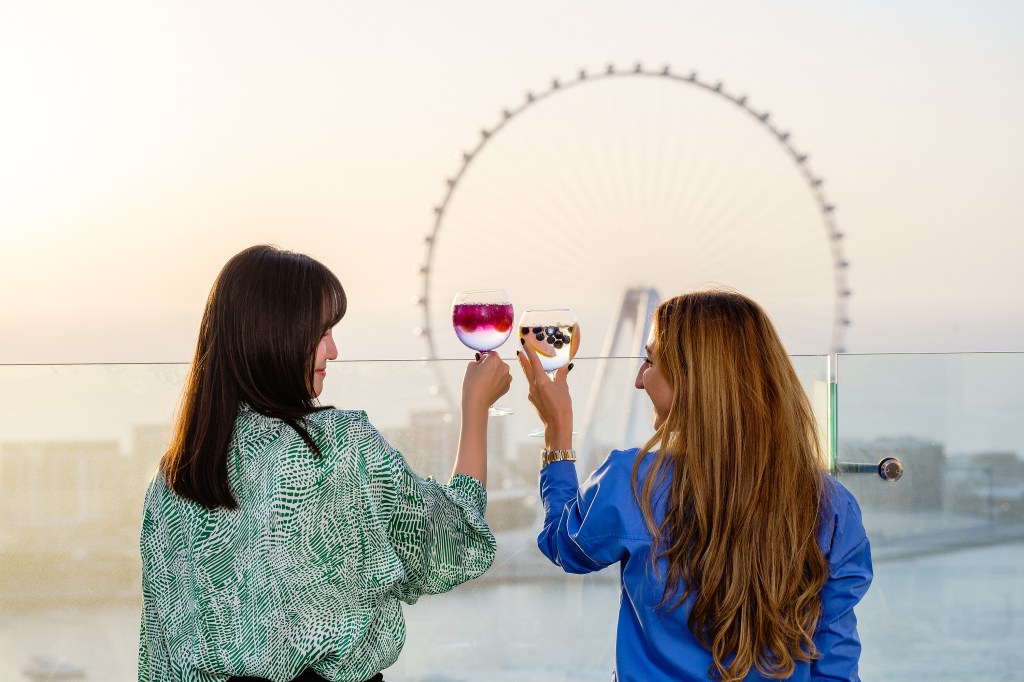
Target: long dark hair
[265, 316]
[745, 477]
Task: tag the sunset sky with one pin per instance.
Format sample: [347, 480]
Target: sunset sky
[143, 144]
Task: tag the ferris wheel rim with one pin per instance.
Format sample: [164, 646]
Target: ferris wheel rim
[814, 183]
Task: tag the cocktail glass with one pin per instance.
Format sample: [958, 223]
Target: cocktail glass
[483, 321]
[555, 335]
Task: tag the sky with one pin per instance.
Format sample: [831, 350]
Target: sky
[143, 144]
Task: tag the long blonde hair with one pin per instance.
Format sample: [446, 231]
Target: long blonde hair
[738, 456]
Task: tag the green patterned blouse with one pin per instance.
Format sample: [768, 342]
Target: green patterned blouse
[309, 570]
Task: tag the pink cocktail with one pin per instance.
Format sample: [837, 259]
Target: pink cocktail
[483, 321]
[482, 326]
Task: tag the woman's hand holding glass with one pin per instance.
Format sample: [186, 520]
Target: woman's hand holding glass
[483, 321]
[553, 337]
[486, 380]
[549, 395]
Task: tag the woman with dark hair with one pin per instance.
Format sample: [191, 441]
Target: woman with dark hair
[279, 536]
[740, 557]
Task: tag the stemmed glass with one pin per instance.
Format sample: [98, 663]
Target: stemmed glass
[483, 321]
[555, 335]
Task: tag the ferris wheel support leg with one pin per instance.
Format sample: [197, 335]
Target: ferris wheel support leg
[637, 309]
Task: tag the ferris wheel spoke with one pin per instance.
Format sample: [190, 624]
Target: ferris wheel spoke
[548, 206]
[596, 192]
[749, 188]
[766, 216]
[562, 168]
[694, 188]
[726, 179]
[665, 138]
[769, 210]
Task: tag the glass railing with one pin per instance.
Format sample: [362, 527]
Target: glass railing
[947, 539]
[78, 444]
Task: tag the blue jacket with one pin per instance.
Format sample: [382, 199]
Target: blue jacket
[589, 527]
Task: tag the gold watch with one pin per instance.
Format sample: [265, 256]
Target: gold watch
[549, 456]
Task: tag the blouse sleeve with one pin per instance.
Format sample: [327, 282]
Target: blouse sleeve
[154, 661]
[154, 657]
[437, 531]
[588, 527]
[850, 574]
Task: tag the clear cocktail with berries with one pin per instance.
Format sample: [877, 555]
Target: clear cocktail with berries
[554, 334]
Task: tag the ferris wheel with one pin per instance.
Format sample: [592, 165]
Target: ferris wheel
[636, 178]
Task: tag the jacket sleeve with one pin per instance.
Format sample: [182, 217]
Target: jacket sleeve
[437, 531]
[850, 574]
[588, 527]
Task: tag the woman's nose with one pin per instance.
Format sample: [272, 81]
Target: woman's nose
[639, 383]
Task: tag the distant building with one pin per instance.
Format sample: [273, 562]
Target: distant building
[1003, 465]
[989, 484]
[149, 443]
[60, 483]
[67, 521]
[428, 443]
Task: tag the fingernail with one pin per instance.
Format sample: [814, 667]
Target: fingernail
[518, 352]
[570, 367]
[522, 341]
[477, 356]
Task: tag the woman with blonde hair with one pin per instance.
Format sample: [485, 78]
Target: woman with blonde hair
[740, 557]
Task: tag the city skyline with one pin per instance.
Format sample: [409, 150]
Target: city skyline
[966, 403]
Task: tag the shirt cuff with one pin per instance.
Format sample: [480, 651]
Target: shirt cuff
[471, 490]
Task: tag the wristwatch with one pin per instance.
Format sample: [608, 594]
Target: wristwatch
[549, 456]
